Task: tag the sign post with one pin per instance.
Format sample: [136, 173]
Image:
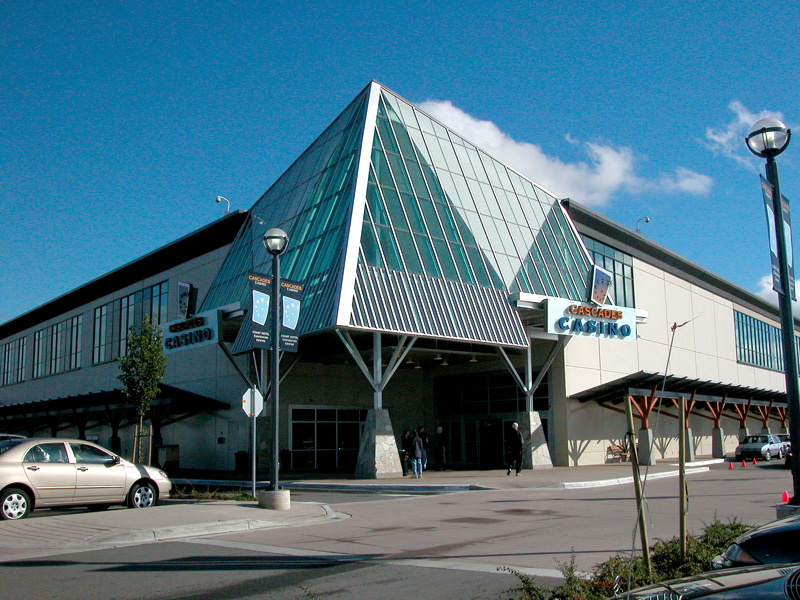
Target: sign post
[252, 405]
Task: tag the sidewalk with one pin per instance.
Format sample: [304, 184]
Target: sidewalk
[78, 529]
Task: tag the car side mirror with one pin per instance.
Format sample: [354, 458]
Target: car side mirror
[113, 461]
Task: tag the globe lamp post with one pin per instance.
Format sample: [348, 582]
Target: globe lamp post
[275, 241]
[767, 139]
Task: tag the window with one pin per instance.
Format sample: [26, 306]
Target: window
[325, 438]
[84, 453]
[57, 348]
[112, 321]
[47, 453]
[618, 263]
[759, 343]
[12, 361]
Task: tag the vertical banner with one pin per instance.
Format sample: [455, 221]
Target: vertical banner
[787, 236]
[260, 288]
[261, 311]
[767, 193]
[291, 299]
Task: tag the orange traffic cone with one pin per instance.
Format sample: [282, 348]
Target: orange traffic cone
[784, 497]
[730, 466]
[754, 461]
[744, 463]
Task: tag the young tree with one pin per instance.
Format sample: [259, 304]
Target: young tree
[143, 368]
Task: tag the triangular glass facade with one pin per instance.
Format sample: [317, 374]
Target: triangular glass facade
[446, 231]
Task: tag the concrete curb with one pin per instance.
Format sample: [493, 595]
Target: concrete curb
[210, 528]
[624, 480]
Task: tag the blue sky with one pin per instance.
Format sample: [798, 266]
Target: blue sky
[122, 121]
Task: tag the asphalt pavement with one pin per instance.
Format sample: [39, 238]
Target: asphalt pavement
[173, 519]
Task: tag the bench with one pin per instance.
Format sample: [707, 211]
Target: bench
[618, 452]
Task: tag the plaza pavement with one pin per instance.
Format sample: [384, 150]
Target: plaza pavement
[78, 529]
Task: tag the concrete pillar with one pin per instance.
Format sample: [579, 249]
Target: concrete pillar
[378, 457]
[689, 445]
[743, 433]
[718, 443]
[765, 430]
[644, 438]
[536, 455]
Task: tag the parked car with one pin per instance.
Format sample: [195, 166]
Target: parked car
[769, 544]
[762, 445]
[771, 582]
[51, 472]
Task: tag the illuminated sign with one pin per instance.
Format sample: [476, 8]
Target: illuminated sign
[567, 317]
[200, 330]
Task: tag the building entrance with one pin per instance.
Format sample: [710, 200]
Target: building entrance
[476, 412]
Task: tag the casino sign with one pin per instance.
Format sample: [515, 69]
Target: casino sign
[567, 317]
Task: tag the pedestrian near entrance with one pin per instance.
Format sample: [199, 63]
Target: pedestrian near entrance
[423, 435]
[440, 445]
[416, 456]
[514, 450]
[406, 448]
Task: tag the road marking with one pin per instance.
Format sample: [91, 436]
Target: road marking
[426, 563]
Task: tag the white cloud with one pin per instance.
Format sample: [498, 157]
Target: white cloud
[729, 139]
[765, 291]
[606, 170]
[687, 181]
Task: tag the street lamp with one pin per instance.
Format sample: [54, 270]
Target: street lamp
[275, 241]
[767, 139]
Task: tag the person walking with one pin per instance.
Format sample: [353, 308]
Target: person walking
[514, 452]
[440, 446]
[423, 435]
[416, 456]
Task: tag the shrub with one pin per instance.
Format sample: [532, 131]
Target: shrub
[665, 558]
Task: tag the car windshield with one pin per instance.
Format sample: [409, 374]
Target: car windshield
[8, 444]
[755, 439]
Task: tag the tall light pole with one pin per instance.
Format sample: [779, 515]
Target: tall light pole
[767, 139]
[275, 241]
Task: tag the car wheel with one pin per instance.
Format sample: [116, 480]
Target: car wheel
[768, 456]
[142, 495]
[14, 504]
[780, 454]
[98, 507]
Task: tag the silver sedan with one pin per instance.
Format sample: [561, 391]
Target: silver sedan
[52, 472]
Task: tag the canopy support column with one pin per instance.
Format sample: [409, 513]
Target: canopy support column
[378, 456]
[536, 454]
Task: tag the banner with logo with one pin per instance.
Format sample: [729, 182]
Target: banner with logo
[291, 296]
[768, 193]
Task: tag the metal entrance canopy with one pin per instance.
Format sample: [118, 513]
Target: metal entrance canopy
[644, 382]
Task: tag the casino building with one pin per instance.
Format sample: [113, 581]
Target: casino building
[439, 288]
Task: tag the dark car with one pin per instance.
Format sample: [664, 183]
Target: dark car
[764, 582]
[770, 544]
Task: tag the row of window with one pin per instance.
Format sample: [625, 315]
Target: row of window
[57, 348]
[759, 343]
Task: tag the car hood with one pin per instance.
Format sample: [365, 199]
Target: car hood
[763, 582]
[788, 524]
[752, 446]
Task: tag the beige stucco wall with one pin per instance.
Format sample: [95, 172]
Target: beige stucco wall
[704, 348]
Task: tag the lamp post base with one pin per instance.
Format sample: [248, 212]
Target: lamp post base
[274, 499]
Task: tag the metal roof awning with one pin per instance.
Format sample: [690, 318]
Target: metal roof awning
[644, 382]
[93, 410]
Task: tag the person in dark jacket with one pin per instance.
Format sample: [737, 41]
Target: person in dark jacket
[440, 446]
[515, 445]
[423, 435]
[416, 456]
[406, 448]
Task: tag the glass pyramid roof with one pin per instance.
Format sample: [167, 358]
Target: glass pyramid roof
[398, 224]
